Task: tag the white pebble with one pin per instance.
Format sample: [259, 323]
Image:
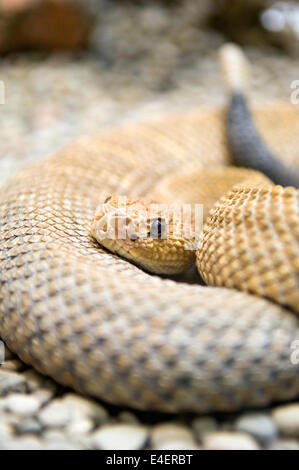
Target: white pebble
[169, 434]
[23, 405]
[259, 425]
[222, 440]
[55, 415]
[120, 437]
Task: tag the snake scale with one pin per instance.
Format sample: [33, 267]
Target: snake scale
[97, 323]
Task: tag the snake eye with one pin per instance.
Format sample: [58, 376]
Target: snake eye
[158, 227]
[108, 199]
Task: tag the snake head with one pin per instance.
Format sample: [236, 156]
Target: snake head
[154, 236]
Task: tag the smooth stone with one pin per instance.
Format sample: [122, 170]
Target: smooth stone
[43, 395]
[24, 443]
[23, 405]
[28, 426]
[284, 444]
[165, 433]
[259, 425]
[286, 418]
[11, 382]
[203, 425]
[54, 435]
[120, 437]
[55, 414]
[222, 440]
[177, 445]
[81, 408]
[61, 445]
[6, 430]
[79, 427]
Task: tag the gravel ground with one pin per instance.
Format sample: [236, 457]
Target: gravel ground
[50, 100]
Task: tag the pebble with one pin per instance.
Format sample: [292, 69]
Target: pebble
[203, 425]
[259, 425]
[55, 415]
[177, 445]
[22, 405]
[61, 445]
[222, 440]
[23, 443]
[6, 430]
[172, 436]
[28, 426]
[80, 427]
[120, 437]
[57, 440]
[42, 395]
[11, 382]
[286, 418]
[283, 444]
[82, 408]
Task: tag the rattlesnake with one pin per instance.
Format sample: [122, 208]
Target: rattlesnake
[95, 322]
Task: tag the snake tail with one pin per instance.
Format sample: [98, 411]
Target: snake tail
[246, 145]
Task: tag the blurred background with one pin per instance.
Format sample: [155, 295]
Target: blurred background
[73, 67]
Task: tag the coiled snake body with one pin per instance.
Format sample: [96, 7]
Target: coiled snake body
[101, 325]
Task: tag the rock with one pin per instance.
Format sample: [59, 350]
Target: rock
[203, 425]
[259, 425]
[28, 426]
[167, 436]
[55, 440]
[55, 415]
[283, 444]
[79, 427]
[177, 445]
[286, 418]
[81, 408]
[43, 395]
[24, 443]
[6, 431]
[61, 445]
[23, 405]
[11, 382]
[222, 440]
[120, 437]
[43, 24]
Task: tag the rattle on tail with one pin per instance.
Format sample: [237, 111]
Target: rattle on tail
[246, 144]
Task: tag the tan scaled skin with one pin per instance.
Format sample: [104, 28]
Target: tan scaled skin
[174, 253]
